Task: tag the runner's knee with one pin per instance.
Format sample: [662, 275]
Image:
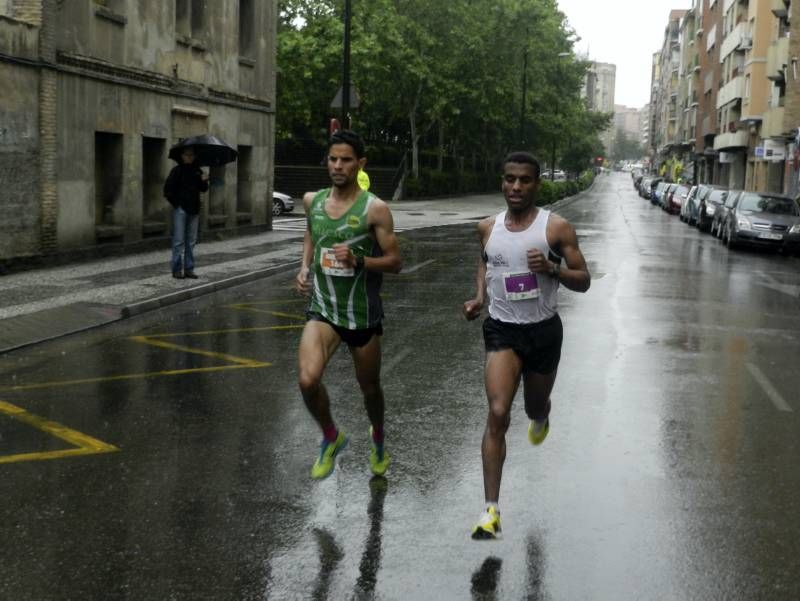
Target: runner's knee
[309, 380]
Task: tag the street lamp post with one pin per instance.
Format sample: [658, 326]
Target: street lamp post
[557, 113]
[346, 68]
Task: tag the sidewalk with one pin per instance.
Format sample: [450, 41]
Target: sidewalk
[43, 304]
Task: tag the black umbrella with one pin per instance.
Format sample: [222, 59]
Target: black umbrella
[209, 150]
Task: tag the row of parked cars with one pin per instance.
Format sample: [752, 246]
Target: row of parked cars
[737, 217]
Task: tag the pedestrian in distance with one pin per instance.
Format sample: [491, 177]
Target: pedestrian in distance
[182, 189]
[349, 243]
[519, 272]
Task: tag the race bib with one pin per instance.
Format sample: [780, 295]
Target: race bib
[330, 266]
[521, 286]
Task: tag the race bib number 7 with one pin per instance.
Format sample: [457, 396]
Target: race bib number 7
[330, 266]
[521, 286]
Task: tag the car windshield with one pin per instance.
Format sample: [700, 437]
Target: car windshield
[718, 196]
[768, 204]
[682, 190]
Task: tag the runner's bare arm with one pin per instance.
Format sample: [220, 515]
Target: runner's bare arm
[472, 308]
[301, 282]
[381, 222]
[576, 276]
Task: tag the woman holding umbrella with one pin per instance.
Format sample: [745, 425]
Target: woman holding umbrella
[182, 189]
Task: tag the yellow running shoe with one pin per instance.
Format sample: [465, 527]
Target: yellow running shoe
[326, 461]
[537, 431]
[378, 457]
[488, 526]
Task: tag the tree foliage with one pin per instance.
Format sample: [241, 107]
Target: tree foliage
[446, 78]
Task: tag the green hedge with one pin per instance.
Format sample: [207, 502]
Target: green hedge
[432, 183]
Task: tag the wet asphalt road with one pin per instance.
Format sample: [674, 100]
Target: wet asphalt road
[171, 452]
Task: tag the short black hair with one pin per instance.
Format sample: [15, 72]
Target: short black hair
[523, 158]
[352, 139]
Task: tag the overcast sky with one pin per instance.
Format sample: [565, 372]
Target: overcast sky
[625, 33]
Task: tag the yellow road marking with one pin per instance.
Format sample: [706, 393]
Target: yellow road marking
[85, 444]
[195, 351]
[232, 331]
[142, 376]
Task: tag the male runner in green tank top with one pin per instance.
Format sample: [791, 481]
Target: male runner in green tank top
[349, 243]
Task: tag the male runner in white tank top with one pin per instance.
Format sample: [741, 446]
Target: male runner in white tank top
[519, 274]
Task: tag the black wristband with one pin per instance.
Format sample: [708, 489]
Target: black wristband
[360, 261]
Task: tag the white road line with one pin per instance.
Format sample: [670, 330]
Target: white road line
[396, 360]
[775, 396]
[418, 266]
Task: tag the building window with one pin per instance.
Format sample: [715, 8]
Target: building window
[190, 18]
[244, 184]
[246, 28]
[154, 209]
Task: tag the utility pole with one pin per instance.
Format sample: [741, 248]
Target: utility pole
[346, 68]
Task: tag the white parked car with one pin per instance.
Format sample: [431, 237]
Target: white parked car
[281, 203]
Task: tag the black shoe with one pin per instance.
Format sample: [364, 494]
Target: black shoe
[177, 275]
[190, 274]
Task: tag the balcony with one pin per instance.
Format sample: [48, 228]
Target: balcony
[737, 139]
[779, 9]
[730, 92]
[772, 126]
[777, 59]
[733, 40]
[709, 81]
[709, 126]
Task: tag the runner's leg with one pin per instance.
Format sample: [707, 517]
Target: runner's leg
[502, 375]
[317, 345]
[367, 362]
[537, 389]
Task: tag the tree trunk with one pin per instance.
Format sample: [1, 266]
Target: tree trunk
[412, 121]
[440, 163]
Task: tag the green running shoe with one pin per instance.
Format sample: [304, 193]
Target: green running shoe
[378, 457]
[323, 466]
[488, 526]
[537, 431]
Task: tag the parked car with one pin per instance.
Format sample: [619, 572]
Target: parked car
[722, 212]
[648, 190]
[665, 197]
[658, 192]
[281, 203]
[763, 219]
[677, 198]
[687, 204]
[644, 186]
[708, 206]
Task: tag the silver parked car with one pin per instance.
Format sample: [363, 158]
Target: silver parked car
[281, 203]
[708, 206]
[763, 219]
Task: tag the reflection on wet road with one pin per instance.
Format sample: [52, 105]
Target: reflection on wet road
[168, 457]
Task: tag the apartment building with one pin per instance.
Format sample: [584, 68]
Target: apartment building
[94, 94]
[665, 92]
[599, 90]
[740, 89]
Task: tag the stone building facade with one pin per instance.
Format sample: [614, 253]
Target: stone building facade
[95, 92]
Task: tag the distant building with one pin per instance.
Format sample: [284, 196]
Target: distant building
[95, 93]
[598, 91]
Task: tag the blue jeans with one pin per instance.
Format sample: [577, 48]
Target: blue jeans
[184, 237]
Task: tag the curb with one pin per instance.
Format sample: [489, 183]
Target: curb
[190, 293]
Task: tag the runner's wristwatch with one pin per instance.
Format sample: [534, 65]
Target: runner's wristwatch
[360, 261]
[555, 270]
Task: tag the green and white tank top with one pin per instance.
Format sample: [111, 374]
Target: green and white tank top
[346, 296]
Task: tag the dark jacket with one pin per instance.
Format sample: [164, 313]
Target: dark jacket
[183, 187]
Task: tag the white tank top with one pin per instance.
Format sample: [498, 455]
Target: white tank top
[515, 294]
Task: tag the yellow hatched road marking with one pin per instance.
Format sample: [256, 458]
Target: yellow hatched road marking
[195, 351]
[83, 443]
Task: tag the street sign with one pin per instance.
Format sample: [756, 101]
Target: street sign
[336, 103]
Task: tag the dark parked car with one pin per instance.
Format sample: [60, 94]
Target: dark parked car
[658, 192]
[763, 219]
[666, 196]
[708, 205]
[677, 198]
[646, 189]
[722, 212]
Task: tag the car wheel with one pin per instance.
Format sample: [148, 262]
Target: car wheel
[277, 207]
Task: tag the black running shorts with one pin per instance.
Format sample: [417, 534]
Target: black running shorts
[352, 338]
[537, 344]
